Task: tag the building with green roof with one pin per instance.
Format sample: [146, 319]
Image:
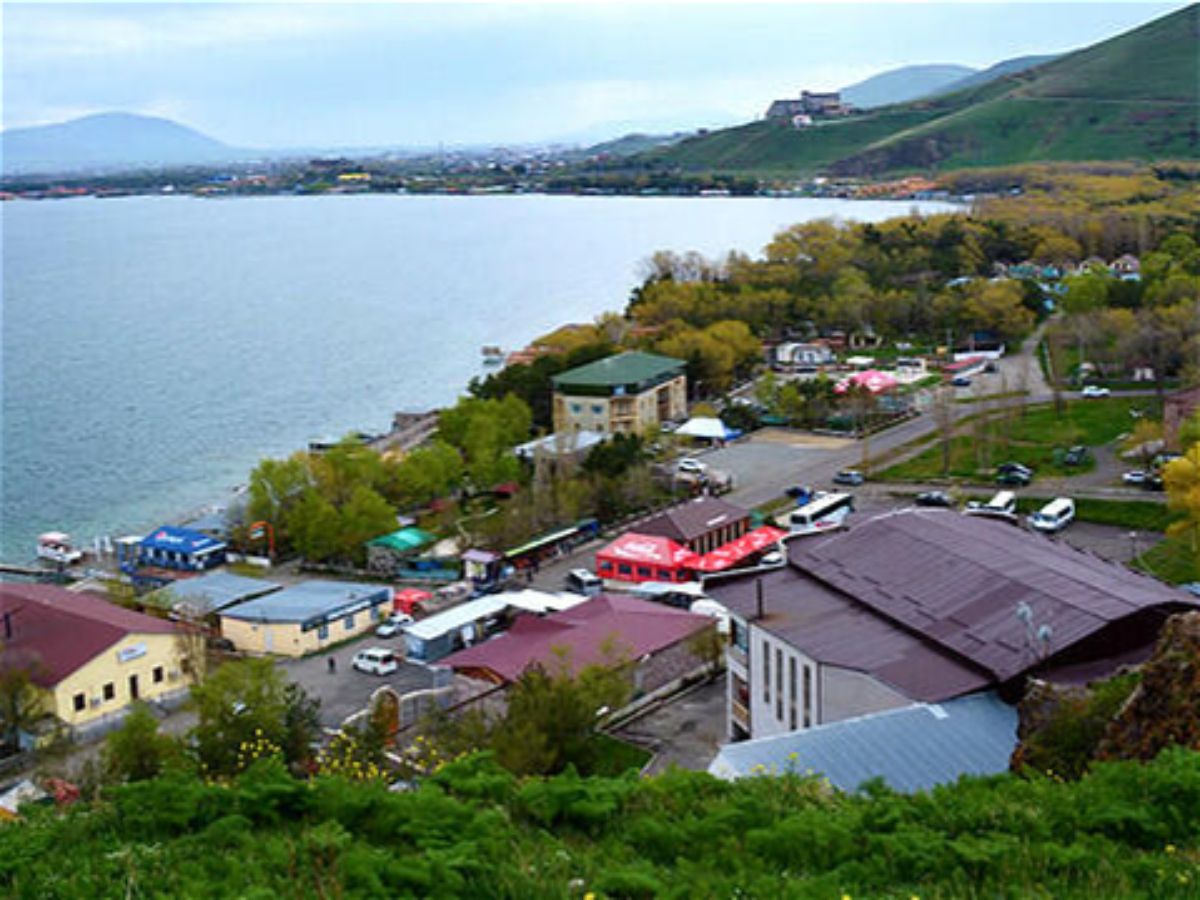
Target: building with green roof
[626, 393]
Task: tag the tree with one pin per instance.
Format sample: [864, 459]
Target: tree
[247, 705]
[1189, 431]
[1145, 440]
[708, 646]
[1181, 478]
[275, 486]
[365, 516]
[998, 307]
[137, 751]
[22, 703]
[554, 712]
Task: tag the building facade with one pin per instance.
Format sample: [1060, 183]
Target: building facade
[623, 394]
[90, 657]
[306, 618]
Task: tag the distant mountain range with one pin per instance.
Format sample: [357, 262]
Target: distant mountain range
[1133, 97]
[110, 141]
[915, 82]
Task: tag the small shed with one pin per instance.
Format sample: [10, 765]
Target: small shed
[387, 553]
[644, 557]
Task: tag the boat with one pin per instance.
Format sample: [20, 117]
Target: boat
[492, 355]
[55, 547]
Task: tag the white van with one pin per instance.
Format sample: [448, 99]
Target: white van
[376, 661]
[1003, 505]
[1054, 516]
[581, 581]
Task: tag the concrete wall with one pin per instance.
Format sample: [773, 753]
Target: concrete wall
[779, 701]
[152, 658]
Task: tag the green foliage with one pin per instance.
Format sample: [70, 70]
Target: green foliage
[615, 457]
[1123, 830]
[22, 704]
[136, 751]
[246, 711]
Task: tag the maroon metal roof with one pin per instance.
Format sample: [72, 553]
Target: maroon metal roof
[692, 520]
[56, 631]
[926, 600]
[607, 628]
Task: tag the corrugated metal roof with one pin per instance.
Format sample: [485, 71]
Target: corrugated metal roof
[692, 520]
[198, 597]
[926, 600]
[310, 601]
[623, 368]
[913, 748]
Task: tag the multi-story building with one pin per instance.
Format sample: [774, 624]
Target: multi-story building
[622, 394]
[923, 606]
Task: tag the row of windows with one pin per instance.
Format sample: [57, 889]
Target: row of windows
[109, 692]
[797, 700]
[607, 568]
[577, 408]
[348, 623]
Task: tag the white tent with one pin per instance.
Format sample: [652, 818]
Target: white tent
[703, 427]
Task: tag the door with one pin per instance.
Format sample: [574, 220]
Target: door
[133, 687]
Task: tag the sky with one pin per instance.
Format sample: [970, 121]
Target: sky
[298, 74]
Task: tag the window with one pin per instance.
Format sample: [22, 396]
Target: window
[80, 701]
[643, 572]
[792, 693]
[323, 632]
[741, 636]
[664, 575]
[110, 691]
[349, 623]
[766, 654]
[158, 674]
[808, 697]
[606, 566]
[778, 684]
[624, 569]
[597, 410]
[576, 407]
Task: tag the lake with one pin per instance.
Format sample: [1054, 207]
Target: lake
[154, 349]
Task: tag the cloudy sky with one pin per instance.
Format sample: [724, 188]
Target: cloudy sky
[313, 74]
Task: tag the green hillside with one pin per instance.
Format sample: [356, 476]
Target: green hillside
[1133, 97]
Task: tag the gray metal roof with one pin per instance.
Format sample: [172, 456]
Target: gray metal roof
[206, 594]
[913, 748]
[311, 601]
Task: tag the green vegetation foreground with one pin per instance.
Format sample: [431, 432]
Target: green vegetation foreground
[475, 831]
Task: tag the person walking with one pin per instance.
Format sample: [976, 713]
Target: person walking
[332, 665]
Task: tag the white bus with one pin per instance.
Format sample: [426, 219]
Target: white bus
[824, 513]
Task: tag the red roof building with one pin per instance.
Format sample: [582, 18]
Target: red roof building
[606, 630]
[92, 657]
[645, 557]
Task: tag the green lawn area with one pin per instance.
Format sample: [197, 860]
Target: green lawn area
[1031, 439]
[1173, 561]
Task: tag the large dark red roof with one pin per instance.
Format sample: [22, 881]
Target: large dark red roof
[606, 629]
[57, 631]
[927, 600]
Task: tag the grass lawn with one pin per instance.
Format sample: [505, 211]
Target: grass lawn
[612, 757]
[1173, 561]
[1031, 439]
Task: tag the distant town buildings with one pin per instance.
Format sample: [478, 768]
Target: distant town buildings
[623, 394]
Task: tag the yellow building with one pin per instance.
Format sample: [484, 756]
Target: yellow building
[91, 657]
[622, 394]
[306, 617]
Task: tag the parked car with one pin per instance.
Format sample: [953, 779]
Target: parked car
[690, 466]
[960, 381]
[799, 492]
[934, 498]
[1153, 483]
[1054, 516]
[1015, 477]
[1017, 467]
[852, 477]
[393, 625]
[1003, 506]
[1094, 392]
[1076, 456]
[581, 581]
[376, 661]
[1135, 477]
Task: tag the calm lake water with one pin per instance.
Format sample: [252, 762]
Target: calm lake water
[154, 349]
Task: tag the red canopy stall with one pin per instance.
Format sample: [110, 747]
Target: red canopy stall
[641, 557]
[729, 555]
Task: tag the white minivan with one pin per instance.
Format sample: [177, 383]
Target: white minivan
[1003, 505]
[1054, 516]
[376, 661]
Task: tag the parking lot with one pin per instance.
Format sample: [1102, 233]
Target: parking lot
[343, 690]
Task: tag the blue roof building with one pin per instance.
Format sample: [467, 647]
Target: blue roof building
[913, 748]
[205, 595]
[171, 547]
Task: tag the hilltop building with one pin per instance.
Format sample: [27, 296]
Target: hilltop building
[924, 606]
[815, 104]
[623, 394]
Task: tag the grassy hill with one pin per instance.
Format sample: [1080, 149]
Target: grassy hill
[1135, 96]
